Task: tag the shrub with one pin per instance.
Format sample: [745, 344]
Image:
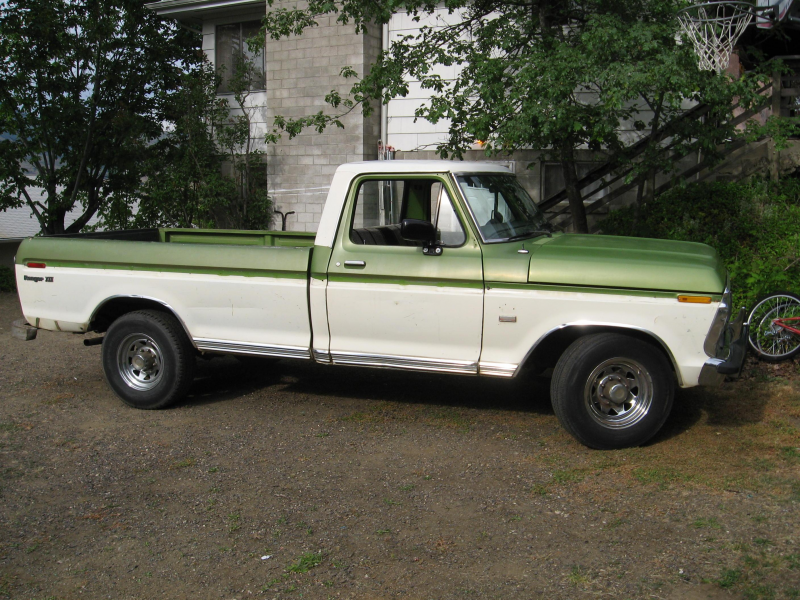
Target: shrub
[7, 281]
[755, 227]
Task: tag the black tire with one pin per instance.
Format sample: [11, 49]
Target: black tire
[602, 366]
[767, 341]
[147, 359]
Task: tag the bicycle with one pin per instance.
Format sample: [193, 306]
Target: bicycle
[775, 326]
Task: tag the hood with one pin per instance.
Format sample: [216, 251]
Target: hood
[626, 262]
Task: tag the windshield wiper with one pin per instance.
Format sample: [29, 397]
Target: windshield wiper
[537, 232]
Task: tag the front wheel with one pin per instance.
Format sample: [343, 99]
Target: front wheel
[612, 391]
[147, 359]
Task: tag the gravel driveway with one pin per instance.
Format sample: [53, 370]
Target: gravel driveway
[295, 480]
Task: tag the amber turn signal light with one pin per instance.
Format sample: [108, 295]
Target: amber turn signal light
[695, 299]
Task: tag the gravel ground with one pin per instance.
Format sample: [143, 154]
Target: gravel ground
[294, 480]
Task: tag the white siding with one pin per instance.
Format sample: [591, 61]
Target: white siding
[404, 131]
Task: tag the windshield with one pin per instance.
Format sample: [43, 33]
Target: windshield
[501, 207]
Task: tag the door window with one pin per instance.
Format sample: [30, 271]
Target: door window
[381, 206]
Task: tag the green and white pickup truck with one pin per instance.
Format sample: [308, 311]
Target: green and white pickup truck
[423, 265]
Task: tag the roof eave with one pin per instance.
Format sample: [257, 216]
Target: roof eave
[192, 8]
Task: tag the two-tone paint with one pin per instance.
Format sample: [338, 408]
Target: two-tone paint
[480, 308]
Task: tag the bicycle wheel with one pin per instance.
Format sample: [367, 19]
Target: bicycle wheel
[771, 341]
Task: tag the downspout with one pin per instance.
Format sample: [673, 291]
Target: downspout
[384, 107]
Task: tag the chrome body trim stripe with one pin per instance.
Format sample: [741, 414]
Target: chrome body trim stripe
[229, 347]
[497, 369]
[405, 362]
[321, 356]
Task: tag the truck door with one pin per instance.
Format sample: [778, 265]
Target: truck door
[388, 303]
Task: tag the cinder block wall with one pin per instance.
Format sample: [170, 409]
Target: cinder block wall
[300, 72]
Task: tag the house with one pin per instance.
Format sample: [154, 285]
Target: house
[300, 71]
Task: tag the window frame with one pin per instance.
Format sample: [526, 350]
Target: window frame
[352, 198]
[242, 43]
[477, 229]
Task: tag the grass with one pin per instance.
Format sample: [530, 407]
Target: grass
[184, 464]
[578, 577]
[567, 476]
[306, 562]
[661, 476]
[729, 577]
[710, 522]
[234, 522]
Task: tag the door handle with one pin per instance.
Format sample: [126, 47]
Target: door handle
[355, 263]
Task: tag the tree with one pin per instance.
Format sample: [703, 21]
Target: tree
[250, 207]
[85, 86]
[203, 136]
[545, 74]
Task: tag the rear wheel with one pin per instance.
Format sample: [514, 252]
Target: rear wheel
[147, 359]
[612, 391]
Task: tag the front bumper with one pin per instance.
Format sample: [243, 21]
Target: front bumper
[735, 335]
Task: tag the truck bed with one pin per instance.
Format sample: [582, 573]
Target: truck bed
[246, 290]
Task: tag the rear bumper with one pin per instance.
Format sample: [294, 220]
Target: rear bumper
[715, 369]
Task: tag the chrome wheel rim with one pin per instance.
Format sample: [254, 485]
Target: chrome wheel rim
[618, 393]
[140, 362]
[767, 338]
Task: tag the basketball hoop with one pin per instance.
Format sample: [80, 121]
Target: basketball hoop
[714, 28]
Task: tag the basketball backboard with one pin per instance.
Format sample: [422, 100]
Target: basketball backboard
[783, 10]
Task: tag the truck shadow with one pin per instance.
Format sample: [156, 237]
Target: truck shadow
[226, 378]
[734, 404]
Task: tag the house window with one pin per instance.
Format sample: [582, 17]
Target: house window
[232, 53]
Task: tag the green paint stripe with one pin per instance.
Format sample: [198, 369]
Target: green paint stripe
[193, 270]
[335, 278]
[597, 290]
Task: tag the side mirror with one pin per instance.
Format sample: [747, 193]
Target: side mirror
[415, 230]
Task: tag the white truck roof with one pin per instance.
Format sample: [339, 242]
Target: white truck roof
[422, 166]
[348, 171]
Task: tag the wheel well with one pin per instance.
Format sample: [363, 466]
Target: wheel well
[548, 350]
[114, 308]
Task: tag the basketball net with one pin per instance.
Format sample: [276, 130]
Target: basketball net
[714, 28]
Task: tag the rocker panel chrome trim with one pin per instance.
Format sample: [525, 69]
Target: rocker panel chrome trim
[405, 362]
[497, 369]
[229, 347]
[321, 356]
